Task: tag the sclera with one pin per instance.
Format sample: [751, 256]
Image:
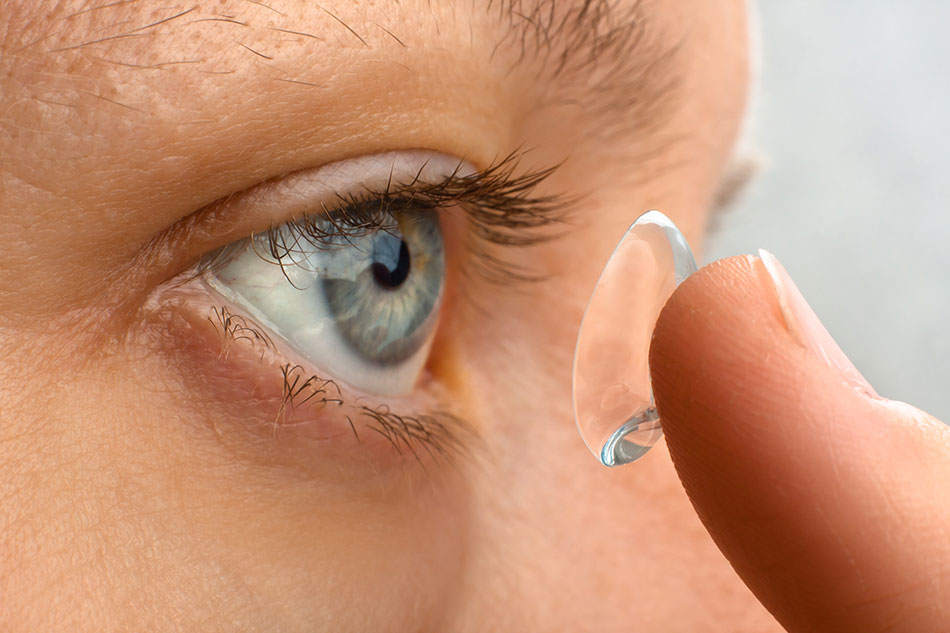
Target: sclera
[613, 397]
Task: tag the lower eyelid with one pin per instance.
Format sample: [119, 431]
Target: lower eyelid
[252, 394]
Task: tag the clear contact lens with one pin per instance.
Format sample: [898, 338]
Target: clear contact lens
[613, 399]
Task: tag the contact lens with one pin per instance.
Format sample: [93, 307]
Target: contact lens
[613, 398]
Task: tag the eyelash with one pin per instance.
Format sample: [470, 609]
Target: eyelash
[439, 434]
[501, 206]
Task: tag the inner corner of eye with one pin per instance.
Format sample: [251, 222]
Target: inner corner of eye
[358, 302]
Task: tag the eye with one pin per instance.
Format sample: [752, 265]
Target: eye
[352, 287]
[355, 291]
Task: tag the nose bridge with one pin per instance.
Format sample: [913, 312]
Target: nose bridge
[566, 544]
[542, 551]
[534, 489]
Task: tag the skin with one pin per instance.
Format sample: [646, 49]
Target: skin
[139, 490]
[146, 480]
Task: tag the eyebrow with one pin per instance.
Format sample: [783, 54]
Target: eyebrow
[571, 37]
[608, 53]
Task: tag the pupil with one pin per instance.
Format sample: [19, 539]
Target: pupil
[393, 269]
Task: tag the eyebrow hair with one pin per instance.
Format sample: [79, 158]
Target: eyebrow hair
[606, 51]
[582, 32]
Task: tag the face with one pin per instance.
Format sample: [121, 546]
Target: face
[288, 300]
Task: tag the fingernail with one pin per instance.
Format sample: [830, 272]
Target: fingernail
[806, 328]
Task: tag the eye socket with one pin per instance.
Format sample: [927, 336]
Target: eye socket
[356, 291]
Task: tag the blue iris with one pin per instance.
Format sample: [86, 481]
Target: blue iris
[384, 306]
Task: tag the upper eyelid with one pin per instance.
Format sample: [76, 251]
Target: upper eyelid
[502, 205]
[269, 203]
[501, 201]
[278, 200]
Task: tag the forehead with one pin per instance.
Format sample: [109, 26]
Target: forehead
[147, 74]
[290, 38]
[530, 26]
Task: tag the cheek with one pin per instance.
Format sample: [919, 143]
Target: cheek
[162, 508]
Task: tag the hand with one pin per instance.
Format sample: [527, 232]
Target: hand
[831, 503]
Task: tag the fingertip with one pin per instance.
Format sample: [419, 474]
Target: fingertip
[717, 321]
[811, 488]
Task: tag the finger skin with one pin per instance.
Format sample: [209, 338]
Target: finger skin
[831, 505]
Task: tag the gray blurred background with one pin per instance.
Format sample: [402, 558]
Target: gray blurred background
[852, 117]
